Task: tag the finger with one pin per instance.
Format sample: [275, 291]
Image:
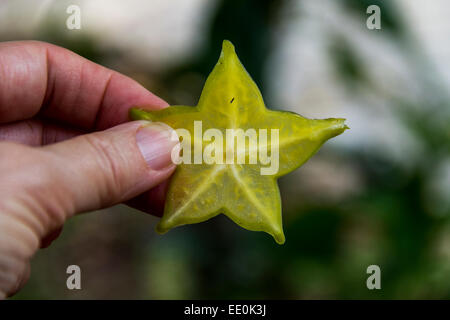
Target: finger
[90, 171]
[35, 75]
[151, 201]
[43, 187]
[39, 133]
[115, 165]
[17, 244]
[36, 132]
[49, 238]
[23, 277]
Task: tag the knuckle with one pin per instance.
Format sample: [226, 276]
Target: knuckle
[18, 243]
[109, 162]
[27, 187]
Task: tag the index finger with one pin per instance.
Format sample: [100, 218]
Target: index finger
[40, 77]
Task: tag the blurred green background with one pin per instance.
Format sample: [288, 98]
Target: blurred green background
[378, 194]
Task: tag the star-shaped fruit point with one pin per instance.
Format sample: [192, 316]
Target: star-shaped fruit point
[233, 149]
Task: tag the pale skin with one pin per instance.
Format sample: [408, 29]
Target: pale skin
[66, 147]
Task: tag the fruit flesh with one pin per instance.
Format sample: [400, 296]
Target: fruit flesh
[231, 100]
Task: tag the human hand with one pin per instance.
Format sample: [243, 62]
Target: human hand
[65, 148]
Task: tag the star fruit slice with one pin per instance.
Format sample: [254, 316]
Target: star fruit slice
[231, 100]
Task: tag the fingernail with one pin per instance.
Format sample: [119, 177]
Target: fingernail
[159, 145]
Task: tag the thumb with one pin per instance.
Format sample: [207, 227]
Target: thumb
[42, 187]
[45, 186]
[104, 168]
